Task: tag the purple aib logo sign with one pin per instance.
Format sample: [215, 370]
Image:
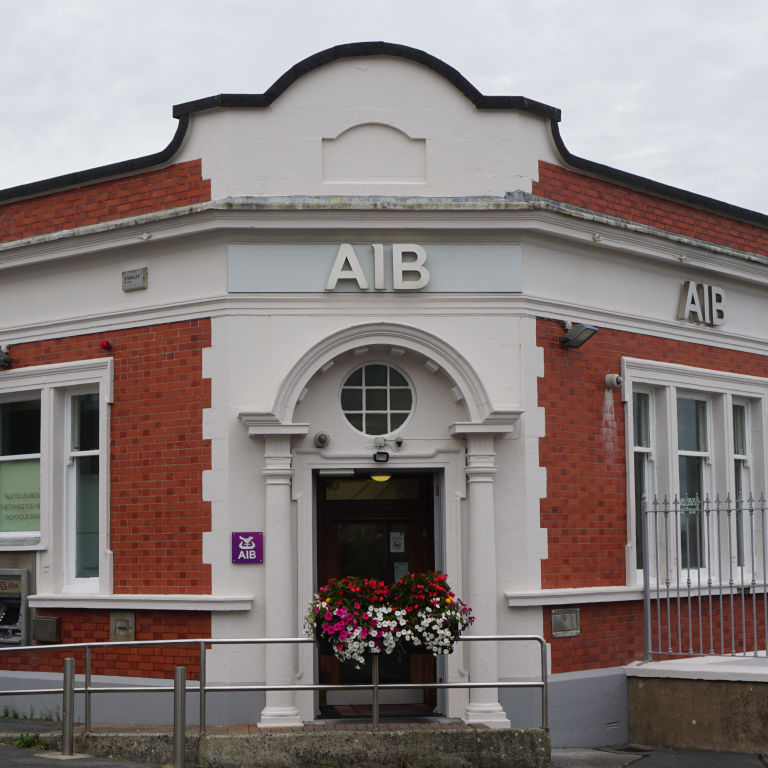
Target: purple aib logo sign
[247, 547]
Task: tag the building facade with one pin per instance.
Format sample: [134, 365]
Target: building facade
[371, 266]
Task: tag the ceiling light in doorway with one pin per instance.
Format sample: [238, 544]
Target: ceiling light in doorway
[380, 478]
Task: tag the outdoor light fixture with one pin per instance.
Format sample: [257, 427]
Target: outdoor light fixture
[381, 457]
[578, 334]
[380, 478]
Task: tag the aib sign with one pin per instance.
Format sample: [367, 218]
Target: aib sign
[247, 547]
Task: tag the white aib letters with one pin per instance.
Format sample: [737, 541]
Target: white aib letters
[409, 272]
[702, 303]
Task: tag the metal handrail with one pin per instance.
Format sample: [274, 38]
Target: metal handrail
[180, 687]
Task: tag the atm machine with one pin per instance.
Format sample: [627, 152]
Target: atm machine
[13, 607]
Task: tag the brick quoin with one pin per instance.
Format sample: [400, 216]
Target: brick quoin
[172, 187]
[157, 451]
[605, 197]
[583, 451]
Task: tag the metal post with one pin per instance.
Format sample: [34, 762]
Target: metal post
[179, 715]
[68, 708]
[646, 576]
[375, 681]
[544, 691]
[202, 689]
[88, 689]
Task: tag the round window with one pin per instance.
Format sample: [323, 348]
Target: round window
[376, 399]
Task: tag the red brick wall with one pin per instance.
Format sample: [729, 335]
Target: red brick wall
[157, 452]
[605, 197]
[86, 626]
[585, 511]
[178, 185]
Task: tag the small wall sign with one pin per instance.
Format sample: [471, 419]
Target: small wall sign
[135, 279]
[247, 547]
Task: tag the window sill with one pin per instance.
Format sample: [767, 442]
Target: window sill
[144, 602]
[21, 545]
[572, 596]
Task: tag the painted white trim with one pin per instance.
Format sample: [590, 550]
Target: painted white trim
[635, 370]
[391, 213]
[456, 367]
[80, 372]
[145, 602]
[572, 596]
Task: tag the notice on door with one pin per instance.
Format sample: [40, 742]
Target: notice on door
[397, 541]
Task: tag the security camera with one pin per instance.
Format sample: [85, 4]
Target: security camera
[398, 442]
[322, 439]
[613, 381]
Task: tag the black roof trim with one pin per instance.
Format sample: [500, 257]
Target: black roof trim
[233, 100]
[79, 178]
[354, 50]
[656, 188]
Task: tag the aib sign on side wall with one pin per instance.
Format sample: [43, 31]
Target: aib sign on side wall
[247, 547]
[702, 303]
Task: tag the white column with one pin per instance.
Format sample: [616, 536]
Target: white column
[279, 583]
[482, 594]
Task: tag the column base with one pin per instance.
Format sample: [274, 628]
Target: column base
[490, 715]
[280, 717]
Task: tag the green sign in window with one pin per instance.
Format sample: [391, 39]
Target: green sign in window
[20, 495]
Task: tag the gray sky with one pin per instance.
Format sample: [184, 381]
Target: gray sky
[674, 90]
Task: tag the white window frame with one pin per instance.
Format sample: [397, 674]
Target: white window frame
[55, 383]
[73, 583]
[721, 389]
[649, 452]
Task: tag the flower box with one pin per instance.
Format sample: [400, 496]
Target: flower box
[353, 617]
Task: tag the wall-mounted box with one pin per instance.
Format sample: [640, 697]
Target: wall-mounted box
[565, 622]
[46, 629]
[122, 626]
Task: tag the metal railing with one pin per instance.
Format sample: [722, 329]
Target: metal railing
[180, 689]
[705, 576]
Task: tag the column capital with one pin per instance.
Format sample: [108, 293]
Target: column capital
[265, 423]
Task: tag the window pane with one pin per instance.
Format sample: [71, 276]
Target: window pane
[396, 420]
[641, 406]
[376, 375]
[375, 399]
[641, 491]
[87, 517]
[20, 495]
[400, 399]
[20, 428]
[85, 422]
[740, 429]
[352, 399]
[691, 477]
[355, 378]
[376, 424]
[397, 379]
[356, 420]
[691, 424]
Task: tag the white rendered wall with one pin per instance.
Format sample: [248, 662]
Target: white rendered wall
[457, 149]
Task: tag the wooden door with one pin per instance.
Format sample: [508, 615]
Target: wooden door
[379, 530]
